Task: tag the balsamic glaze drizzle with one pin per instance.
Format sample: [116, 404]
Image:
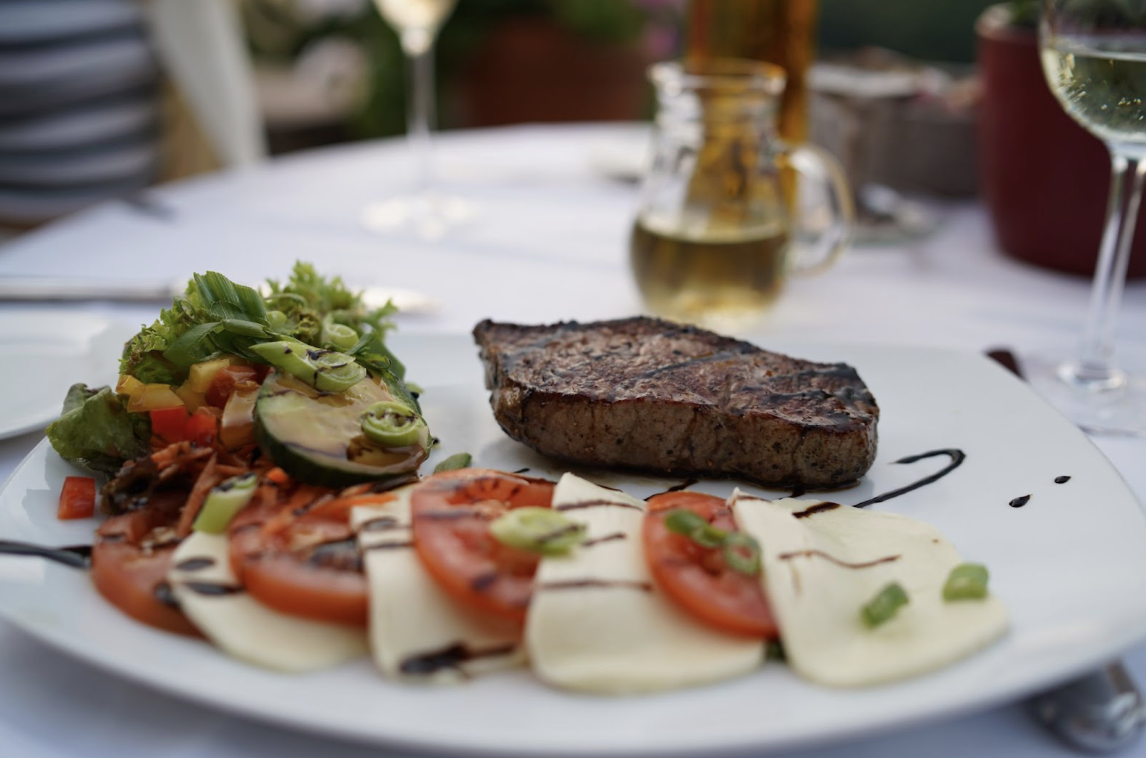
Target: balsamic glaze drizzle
[683, 485]
[593, 504]
[1061, 479]
[213, 589]
[573, 584]
[1019, 502]
[814, 509]
[957, 458]
[195, 564]
[451, 657]
[837, 561]
[606, 538]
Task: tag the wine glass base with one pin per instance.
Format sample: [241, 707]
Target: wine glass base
[1105, 406]
[430, 215]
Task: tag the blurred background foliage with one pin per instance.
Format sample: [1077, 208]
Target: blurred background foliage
[352, 49]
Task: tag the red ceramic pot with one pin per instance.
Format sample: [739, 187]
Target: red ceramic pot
[1044, 179]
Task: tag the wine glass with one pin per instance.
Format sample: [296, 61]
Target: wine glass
[426, 211]
[1094, 58]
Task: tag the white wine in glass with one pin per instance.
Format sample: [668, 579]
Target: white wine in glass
[424, 210]
[1094, 57]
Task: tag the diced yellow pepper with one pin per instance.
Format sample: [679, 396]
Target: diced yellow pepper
[153, 397]
[190, 397]
[127, 384]
[202, 374]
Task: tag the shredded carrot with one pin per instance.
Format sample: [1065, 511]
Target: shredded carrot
[227, 471]
[277, 475]
[207, 479]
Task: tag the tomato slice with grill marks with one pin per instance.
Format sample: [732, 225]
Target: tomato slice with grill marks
[130, 558]
[296, 552]
[698, 578]
[451, 514]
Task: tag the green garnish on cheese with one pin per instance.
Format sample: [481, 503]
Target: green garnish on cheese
[967, 581]
[883, 607]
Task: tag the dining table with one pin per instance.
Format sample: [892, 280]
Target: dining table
[548, 242]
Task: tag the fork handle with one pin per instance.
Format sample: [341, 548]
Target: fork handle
[1100, 712]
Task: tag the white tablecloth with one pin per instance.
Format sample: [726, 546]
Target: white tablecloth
[549, 244]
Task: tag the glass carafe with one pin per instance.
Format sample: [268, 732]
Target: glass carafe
[727, 210]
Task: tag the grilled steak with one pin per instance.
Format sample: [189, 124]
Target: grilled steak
[650, 395]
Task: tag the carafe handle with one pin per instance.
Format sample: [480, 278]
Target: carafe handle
[822, 172]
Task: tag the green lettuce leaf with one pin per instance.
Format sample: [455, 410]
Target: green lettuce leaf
[96, 431]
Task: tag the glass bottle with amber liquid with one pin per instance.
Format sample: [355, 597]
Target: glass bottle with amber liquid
[780, 32]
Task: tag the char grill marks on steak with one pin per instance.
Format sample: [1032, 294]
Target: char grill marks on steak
[651, 395]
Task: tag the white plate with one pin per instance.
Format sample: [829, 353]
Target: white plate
[1071, 566]
[44, 353]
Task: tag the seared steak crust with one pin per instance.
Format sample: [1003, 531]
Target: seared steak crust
[651, 395]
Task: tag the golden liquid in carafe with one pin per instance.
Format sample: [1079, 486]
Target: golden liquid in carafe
[718, 277]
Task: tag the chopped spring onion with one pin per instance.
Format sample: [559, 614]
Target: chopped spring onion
[967, 581]
[541, 530]
[223, 502]
[341, 336]
[392, 424]
[741, 552]
[454, 462]
[325, 370]
[884, 605]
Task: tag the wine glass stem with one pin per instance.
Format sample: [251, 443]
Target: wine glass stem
[1094, 369]
[418, 46]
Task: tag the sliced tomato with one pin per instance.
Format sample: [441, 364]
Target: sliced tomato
[298, 555]
[169, 423]
[130, 560]
[77, 498]
[697, 578]
[451, 516]
[224, 381]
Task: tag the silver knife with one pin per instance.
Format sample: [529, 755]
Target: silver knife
[50, 289]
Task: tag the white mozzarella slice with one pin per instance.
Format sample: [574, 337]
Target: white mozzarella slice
[822, 563]
[208, 592]
[597, 623]
[418, 632]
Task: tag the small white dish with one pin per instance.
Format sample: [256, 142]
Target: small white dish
[44, 353]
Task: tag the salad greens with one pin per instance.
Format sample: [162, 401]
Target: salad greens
[216, 318]
[96, 430]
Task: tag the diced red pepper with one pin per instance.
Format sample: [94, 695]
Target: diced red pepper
[223, 385]
[169, 424]
[77, 498]
[202, 427]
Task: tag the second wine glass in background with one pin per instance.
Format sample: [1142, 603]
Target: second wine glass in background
[425, 209]
[1094, 57]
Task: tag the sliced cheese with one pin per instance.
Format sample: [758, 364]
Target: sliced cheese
[418, 632]
[823, 562]
[597, 623]
[208, 592]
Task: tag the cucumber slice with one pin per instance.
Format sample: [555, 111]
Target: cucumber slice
[317, 438]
